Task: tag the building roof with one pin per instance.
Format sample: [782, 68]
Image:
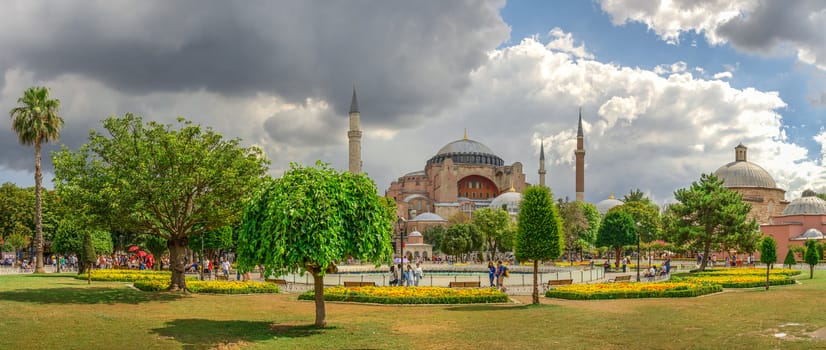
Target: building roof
[468, 152]
[428, 217]
[510, 200]
[742, 173]
[415, 234]
[811, 233]
[606, 204]
[808, 204]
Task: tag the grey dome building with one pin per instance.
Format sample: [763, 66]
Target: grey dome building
[755, 184]
[808, 204]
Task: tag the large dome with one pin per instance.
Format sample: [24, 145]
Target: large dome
[808, 204]
[742, 173]
[468, 152]
[606, 204]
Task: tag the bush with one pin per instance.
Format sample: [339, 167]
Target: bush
[601, 291]
[410, 295]
[211, 287]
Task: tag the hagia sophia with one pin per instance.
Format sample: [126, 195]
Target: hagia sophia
[466, 175]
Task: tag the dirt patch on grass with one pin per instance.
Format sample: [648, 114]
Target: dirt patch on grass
[819, 334]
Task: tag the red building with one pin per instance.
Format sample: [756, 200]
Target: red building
[802, 220]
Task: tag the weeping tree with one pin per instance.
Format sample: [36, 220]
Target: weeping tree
[539, 231]
[173, 182]
[310, 218]
[768, 255]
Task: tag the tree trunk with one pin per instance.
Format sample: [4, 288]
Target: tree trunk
[811, 271]
[535, 282]
[704, 262]
[767, 275]
[320, 312]
[89, 275]
[38, 210]
[177, 254]
[617, 252]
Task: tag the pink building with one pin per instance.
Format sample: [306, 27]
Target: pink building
[802, 220]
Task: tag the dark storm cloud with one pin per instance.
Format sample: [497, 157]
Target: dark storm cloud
[774, 23]
[405, 57]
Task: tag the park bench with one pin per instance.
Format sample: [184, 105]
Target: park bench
[221, 277]
[555, 283]
[359, 284]
[623, 278]
[466, 284]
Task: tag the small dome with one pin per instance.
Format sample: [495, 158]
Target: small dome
[809, 204]
[742, 173]
[509, 201]
[415, 234]
[428, 217]
[605, 205]
[811, 233]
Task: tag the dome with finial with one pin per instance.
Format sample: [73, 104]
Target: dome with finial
[467, 151]
[509, 201]
[808, 204]
[742, 173]
[605, 205]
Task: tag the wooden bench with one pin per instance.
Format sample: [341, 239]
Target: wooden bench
[359, 284]
[623, 278]
[555, 283]
[466, 284]
[221, 277]
[278, 281]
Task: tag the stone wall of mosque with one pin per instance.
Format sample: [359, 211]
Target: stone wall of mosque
[765, 202]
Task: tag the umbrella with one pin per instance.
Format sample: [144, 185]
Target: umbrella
[132, 248]
[141, 253]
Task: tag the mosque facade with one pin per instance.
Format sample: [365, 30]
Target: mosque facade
[755, 185]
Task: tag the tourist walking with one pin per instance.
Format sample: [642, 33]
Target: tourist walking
[491, 273]
[418, 273]
[408, 276]
[501, 273]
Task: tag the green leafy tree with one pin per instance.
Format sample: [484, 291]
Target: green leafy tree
[35, 121]
[213, 243]
[458, 240]
[434, 235]
[709, 216]
[88, 256]
[648, 215]
[768, 255]
[617, 230]
[492, 224]
[158, 247]
[174, 183]
[310, 218]
[636, 195]
[539, 233]
[574, 223]
[16, 208]
[18, 240]
[811, 257]
[69, 239]
[790, 260]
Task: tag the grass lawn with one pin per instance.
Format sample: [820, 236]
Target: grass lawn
[58, 312]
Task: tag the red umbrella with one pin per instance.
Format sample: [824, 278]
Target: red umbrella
[141, 253]
[132, 248]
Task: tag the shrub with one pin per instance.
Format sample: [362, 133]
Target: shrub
[211, 287]
[599, 291]
[410, 295]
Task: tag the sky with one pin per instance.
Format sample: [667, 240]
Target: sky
[666, 89]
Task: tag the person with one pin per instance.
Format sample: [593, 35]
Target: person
[667, 265]
[418, 273]
[394, 280]
[501, 273]
[408, 276]
[649, 272]
[491, 273]
[606, 265]
[624, 263]
[225, 267]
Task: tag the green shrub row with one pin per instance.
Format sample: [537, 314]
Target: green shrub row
[211, 287]
[674, 293]
[365, 298]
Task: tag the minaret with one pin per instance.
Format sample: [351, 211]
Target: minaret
[580, 161]
[542, 164]
[354, 135]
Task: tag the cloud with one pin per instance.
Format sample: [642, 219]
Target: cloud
[763, 27]
[723, 75]
[564, 42]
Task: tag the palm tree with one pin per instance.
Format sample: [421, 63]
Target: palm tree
[36, 121]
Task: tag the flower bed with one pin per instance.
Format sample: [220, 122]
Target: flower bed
[747, 272]
[211, 287]
[127, 275]
[738, 281]
[598, 291]
[410, 295]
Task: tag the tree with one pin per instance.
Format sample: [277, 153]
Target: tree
[458, 240]
[35, 121]
[88, 256]
[768, 255]
[310, 218]
[492, 224]
[16, 208]
[539, 231]
[617, 230]
[158, 247]
[150, 178]
[18, 241]
[69, 238]
[574, 223]
[811, 257]
[648, 215]
[636, 195]
[434, 235]
[790, 260]
[708, 216]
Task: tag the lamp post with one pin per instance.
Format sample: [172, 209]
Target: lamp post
[401, 221]
[639, 227]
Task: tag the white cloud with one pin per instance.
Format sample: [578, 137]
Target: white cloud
[723, 75]
[564, 42]
[766, 27]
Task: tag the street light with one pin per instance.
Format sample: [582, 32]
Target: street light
[401, 221]
[639, 234]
